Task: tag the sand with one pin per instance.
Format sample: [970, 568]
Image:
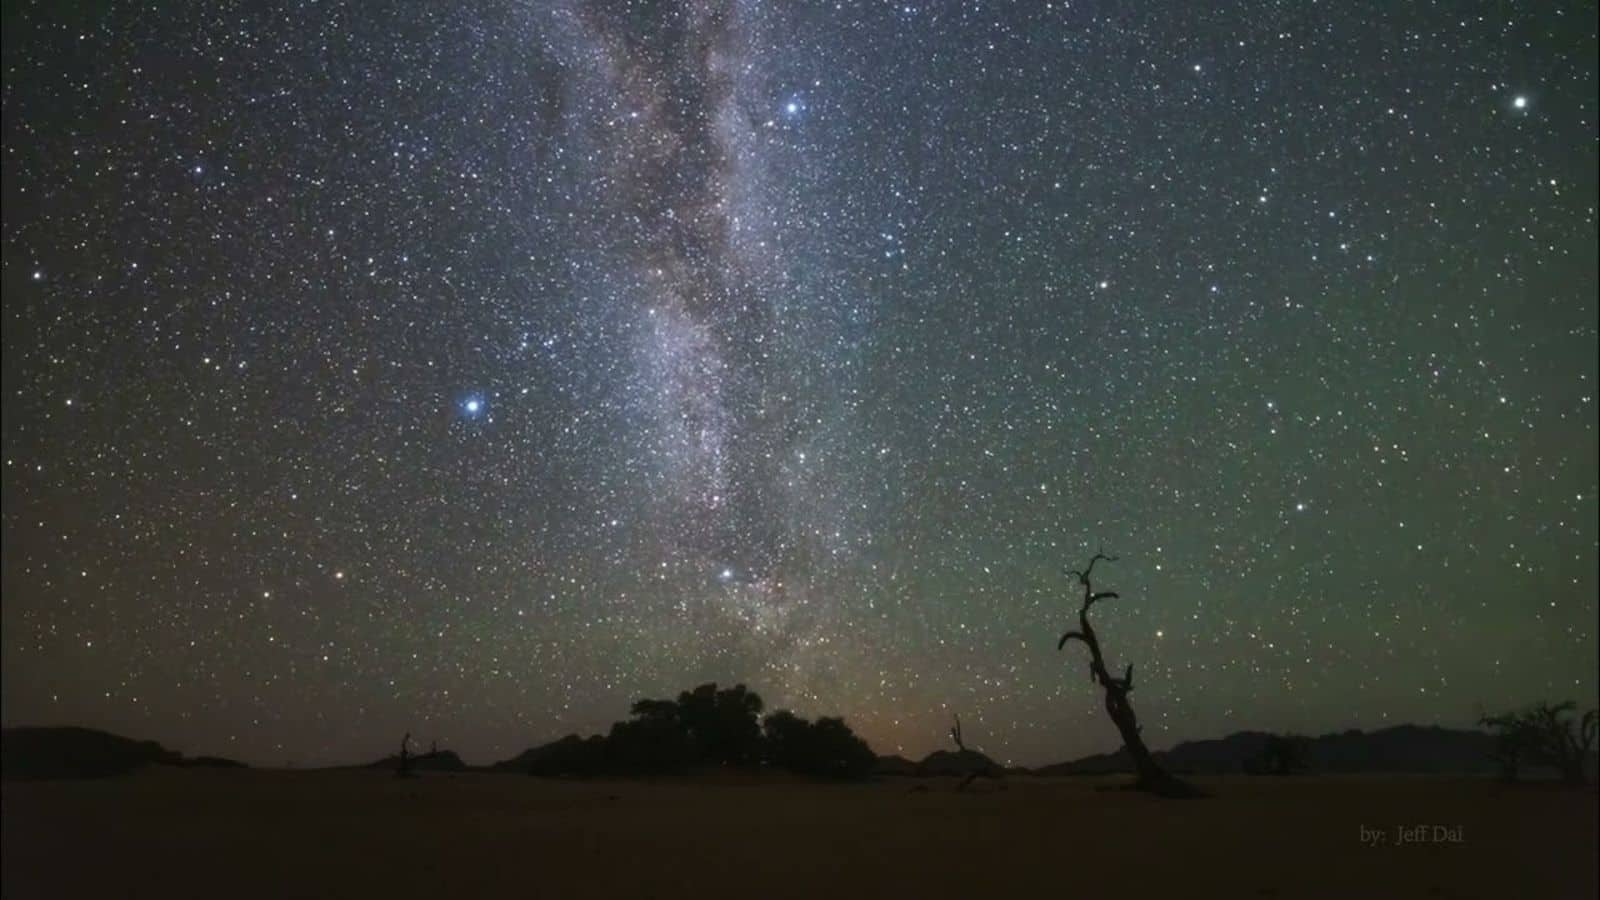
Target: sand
[169, 834]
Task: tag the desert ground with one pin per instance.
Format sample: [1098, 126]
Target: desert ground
[166, 833]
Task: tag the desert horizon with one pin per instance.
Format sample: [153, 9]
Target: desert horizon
[339, 833]
[505, 760]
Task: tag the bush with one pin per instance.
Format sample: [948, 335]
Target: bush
[649, 746]
[711, 727]
[1544, 734]
[826, 747]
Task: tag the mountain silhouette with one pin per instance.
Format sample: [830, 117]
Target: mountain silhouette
[569, 755]
[952, 762]
[75, 753]
[1414, 749]
[894, 765]
[439, 761]
[71, 752]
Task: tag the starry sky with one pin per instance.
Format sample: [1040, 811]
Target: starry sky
[475, 369]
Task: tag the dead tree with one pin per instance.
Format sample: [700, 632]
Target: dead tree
[405, 757]
[976, 764]
[1151, 776]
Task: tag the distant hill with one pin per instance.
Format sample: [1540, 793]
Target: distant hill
[894, 765]
[70, 752]
[571, 754]
[1096, 764]
[940, 763]
[75, 753]
[953, 762]
[440, 761]
[210, 762]
[1401, 749]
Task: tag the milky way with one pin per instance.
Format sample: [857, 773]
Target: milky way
[474, 370]
[680, 217]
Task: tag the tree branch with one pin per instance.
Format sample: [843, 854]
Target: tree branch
[1096, 558]
[1094, 598]
[1084, 575]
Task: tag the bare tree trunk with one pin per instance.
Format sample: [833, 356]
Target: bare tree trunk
[405, 757]
[1578, 743]
[1151, 776]
[978, 765]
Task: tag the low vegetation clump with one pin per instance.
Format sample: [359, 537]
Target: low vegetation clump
[1544, 735]
[707, 728]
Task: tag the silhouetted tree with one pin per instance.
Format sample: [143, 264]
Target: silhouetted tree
[725, 724]
[977, 765]
[405, 757]
[1544, 733]
[1151, 777]
[1565, 741]
[784, 738]
[1513, 743]
[838, 751]
[825, 747]
[656, 709]
[651, 745]
[707, 726]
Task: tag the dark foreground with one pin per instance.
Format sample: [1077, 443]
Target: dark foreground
[188, 833]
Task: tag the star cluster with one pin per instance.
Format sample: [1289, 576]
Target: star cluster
[475, 369]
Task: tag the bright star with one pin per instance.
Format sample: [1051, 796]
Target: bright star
[1520, 102]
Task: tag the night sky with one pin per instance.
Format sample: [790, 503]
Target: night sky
[475, 369]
